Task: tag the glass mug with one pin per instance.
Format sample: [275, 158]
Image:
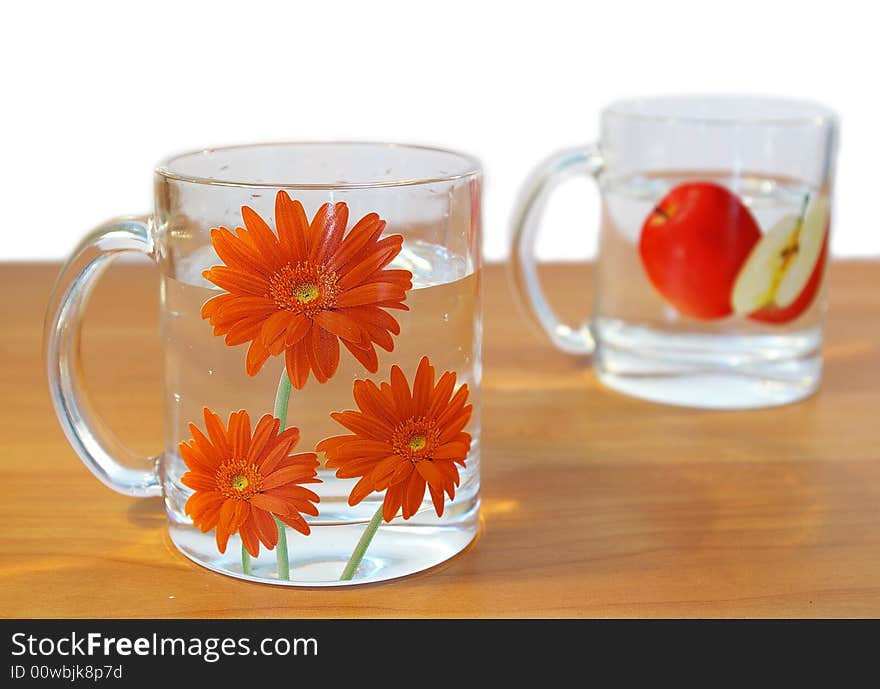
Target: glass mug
[709, 284]
[352, 285]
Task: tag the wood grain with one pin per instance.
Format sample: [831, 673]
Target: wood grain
[595, 504]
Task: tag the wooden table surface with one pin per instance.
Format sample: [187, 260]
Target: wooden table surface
[595, 504]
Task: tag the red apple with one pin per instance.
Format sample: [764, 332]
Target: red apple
[693, 245]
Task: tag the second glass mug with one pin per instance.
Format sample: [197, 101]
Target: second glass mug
[300, 280]
[709, 284]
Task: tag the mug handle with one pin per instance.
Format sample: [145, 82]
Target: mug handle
[97, 446]
[526, 223]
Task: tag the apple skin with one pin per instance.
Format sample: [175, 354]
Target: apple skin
[776, 315]
[693, 245]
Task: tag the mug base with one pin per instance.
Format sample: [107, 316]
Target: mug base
[708, 371]
[398, 549]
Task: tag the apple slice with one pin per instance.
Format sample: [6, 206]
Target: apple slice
[808, 247]
[758, 279]
[783, 266]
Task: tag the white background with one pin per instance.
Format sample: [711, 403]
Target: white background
[93, 94]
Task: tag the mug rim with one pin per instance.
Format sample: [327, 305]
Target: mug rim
[471, 166]
[775, 111]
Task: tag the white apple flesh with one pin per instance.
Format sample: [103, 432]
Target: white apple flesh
[809, 246]
[781, 263]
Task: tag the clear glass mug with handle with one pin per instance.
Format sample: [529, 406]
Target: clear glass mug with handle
[710, 276]
[320, 312]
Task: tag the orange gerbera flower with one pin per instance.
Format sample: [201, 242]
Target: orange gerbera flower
[307, 288]
[241, 479]
[403, 440]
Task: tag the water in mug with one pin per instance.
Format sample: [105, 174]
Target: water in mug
[201, 370]
[647, 348]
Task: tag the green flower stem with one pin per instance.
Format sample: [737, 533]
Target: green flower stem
[361, 548]
[282, 398]
[245, 561]
[281, 552]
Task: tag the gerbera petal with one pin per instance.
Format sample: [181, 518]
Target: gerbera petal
[269, 503]
[296, 360]
[453, 427]
[383, 471]
[391, 304]
[339, 323]
[257, 355]
[361, 490]
[372, 402]
[393, 501]
[240, 307]
[294, 493]
[352, 468]
[213, 305]
[297, 329]
[437, 499]
[286, 475]
[401, 472]
[291, 433]
[240, 433]
[441, 394]
[402, 278]
[360, 272]
[226, 525]
[367, 357]
[379, 336]
[275, 325]
[362, 448]
[451, 451]
[370, 294]
[217, 432]
[367, 426]
[272, 459]
[208, 519]
[250, 537]
[402, 396]
[327, 229]
[198, 480]
[423, 386]
[194, 458]
[448, 469]
[295, 521]
[266, 427]
[236, 254]
[415, 493]
[244, 331]
[358, 237]
[237, 281]
[202, 502]
[263, 237]
[290, 217]
[265, 527]
[455, 406]
[205, 446]
[330, 444]
[431, 473]
[374, 316]
[323, 354]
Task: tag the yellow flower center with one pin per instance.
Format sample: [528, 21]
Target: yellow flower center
[239, 480]
[417, 442]
[304, 288]
[415, 439]
[306, 292]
